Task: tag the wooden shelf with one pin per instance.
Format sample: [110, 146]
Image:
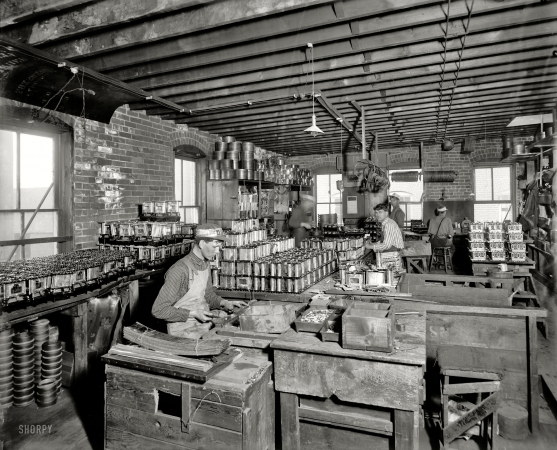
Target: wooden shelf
[549, 141]
[520, 158]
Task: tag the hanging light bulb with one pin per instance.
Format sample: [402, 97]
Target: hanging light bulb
[314, 129]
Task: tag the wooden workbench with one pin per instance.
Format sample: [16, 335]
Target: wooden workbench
[481, 267]
[332, 397]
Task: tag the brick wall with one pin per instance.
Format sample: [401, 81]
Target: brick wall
[120, 164]
[433, 159]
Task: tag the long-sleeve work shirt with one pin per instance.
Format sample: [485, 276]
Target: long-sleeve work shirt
[392, 236]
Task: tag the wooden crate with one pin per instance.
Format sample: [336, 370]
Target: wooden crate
[233, 410]
[368, 326]
[274, 319]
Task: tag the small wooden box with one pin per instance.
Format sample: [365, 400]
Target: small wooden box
[274, 319]
[234, 410]
[368, 326]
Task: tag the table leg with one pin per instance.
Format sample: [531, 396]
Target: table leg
[404, 430]
[289, 421]
[79, 322]
[533, 393]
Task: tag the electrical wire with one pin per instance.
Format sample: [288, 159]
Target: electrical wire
[444, 67]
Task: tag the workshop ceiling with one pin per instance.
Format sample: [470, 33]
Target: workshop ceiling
[423, 70]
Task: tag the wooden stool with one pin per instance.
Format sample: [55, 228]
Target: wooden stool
[478, 381]
[416, 264]
[441, 258]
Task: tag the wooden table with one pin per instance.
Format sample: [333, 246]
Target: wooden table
[481, 267]
[332, 397]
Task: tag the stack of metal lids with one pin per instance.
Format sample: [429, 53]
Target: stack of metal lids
[215, 175]
[6, 369]
[242, 174]
[51, 366]
[24, 377]
[219, 155]
[39, 330]
[214, 164]
[247, 164]
[228, 139]
[225, 164]
[47, 393]
[256, 175]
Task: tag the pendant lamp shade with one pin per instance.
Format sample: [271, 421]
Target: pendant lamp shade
[314, 129]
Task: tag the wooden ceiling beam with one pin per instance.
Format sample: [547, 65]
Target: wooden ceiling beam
[337, 69]
[16, 12]
[303, 112]
[343, 56]
[225, 24]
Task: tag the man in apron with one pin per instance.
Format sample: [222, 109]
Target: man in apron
[187, 295]
[392, 240]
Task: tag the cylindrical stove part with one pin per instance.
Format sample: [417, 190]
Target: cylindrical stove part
[225, 164]
[228, 174]
[214, 164]
[219, 155]
[231, 154]
[221, 146]
[215, 175]
[228, 139]
[247, 164]
[250, 175]
[234, 147]
[242, 174]
[248, 146]
[235, 164]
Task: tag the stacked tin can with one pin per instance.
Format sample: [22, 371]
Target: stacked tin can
[234, 160]
[6, 369]
[346, 248]
[46, 392]
[39, 330]
[24, 377]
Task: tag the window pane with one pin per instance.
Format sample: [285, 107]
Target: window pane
[6, 251]
[10, 226]
[483, 184]
[36, 250]
[322, 208]
[189, 215]
[45, 224]
[492, 212]
[36, 171]
[413, 212]
[188, 183]
[8, 164]
[178, 179]
[336, 208]
[323, 187]
[501, 183]
[335, 193]
[409, 191]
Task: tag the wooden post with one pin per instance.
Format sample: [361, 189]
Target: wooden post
[364, 151]
[553, 232]
[79, 322]
[404, 430]
[289, 421]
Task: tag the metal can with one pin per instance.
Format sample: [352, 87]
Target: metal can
[272, 284]
[263, 283]
[290, 285]
[280, 284]
[273, 269]
[289, 269]
[279, 269]
[256, 283]
[215, 277]
[264, 269]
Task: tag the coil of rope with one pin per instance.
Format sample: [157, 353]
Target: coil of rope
[371, 178]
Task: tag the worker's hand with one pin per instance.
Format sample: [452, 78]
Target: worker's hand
[229, 305]
[368, 245]
[200, 315]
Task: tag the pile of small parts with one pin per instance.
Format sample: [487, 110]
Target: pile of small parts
[316, 316]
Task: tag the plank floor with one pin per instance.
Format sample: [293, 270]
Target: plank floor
[76, 421]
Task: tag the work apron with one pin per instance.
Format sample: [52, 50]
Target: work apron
[193, 300]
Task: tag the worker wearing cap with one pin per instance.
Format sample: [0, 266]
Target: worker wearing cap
[440, 228]
[187, 295]
[301, 219]
[397, 214]
[392, 240]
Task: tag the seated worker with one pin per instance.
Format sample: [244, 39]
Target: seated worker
[392, 236]
[397, 214]
[440, 229]
[187, 295]
[300, 221]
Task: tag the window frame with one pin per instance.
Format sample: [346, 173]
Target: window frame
[410, 168]
[512, 186]
[327, 173]
[63, 200]
[200, 189]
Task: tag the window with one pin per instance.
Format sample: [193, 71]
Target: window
[185, 189]
[30, 173]
[492, 189]
[329, 200]
[410, 193]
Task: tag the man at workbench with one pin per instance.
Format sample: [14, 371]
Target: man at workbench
[392, 236]
[187, 295]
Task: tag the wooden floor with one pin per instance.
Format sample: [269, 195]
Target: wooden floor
[76, 421]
